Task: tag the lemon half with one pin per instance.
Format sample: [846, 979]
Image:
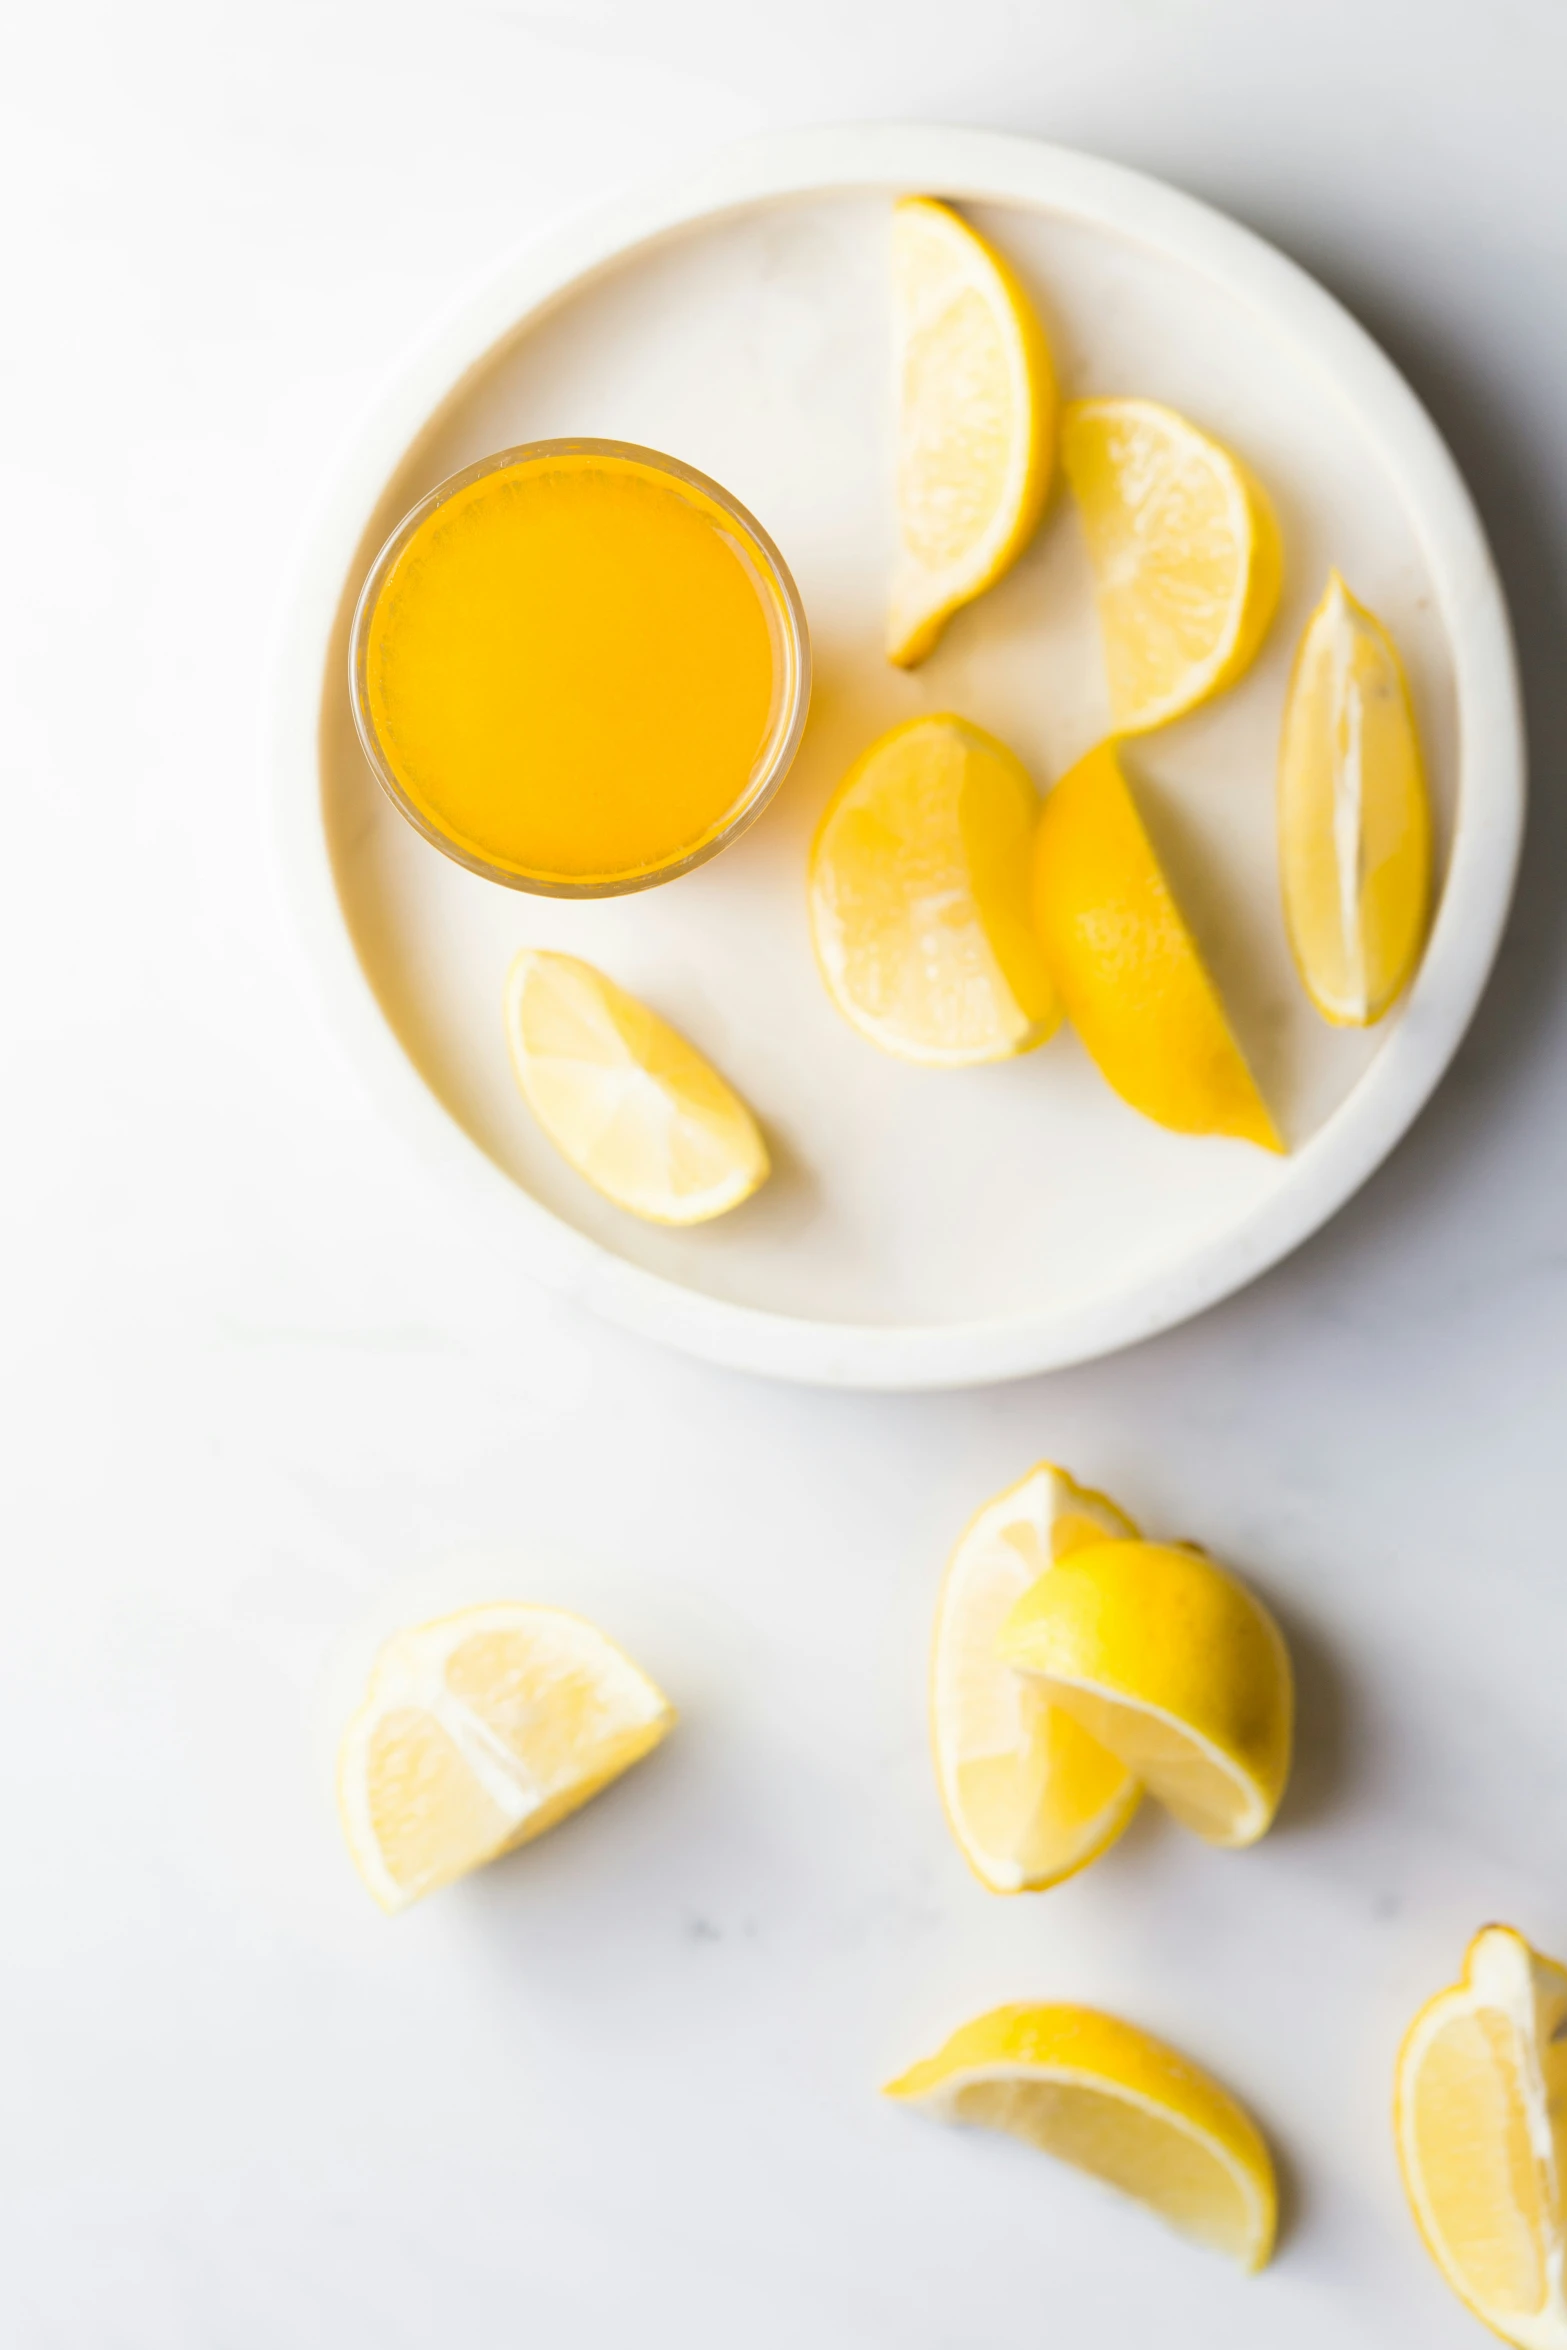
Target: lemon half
[1118, 2103]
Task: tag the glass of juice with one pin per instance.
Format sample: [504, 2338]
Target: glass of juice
[579, 667]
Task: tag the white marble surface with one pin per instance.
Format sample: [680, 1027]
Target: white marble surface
[259, 1383]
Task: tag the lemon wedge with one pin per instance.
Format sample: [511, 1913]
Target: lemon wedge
[1172, 1664]
[976, 421]
[1185, 553]
[1480, 2118]
[478, 1733]
[1117, 2103]
[1029, 1795]
[624, 1097]
[1127, 968]
[1354, 819]
[918, 895]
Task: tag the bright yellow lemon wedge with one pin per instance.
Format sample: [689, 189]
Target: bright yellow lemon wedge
[1117, 2103]
[624, 1097]
[1185, 552]
[1480, 2117]
[1354, 818]
[919, 898]
[1029, 1795]
[1127, 968]
[478, 1733]
[1172, 1665]
[976, 421]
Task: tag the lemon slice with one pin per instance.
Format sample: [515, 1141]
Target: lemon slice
[1354, 819]
[1174, 1666]
[478, 1733]
[624, 1097]
[1029, 1795]
[1480, 2117]
[1185, 553]
[1127, 968]
[1115, 2102]
[976, 421]
[919, 898]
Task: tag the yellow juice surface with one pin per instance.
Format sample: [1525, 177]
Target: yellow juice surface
[575, 666]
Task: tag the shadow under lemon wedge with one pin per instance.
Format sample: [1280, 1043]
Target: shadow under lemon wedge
[1480, 2123]
[1115, 2102]
[479, 1732]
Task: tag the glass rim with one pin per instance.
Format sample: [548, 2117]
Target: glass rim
[783, 742]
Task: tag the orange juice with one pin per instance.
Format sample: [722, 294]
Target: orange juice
[580, 668]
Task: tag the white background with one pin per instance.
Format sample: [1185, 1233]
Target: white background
[260, 1383]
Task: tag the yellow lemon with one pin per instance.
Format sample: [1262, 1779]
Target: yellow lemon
[1117, 2103]
[976, 421]
[919, 898]
[1480, 2118]
[478, 1733]
[1127, 968]
[1029, 1795]
[1185, 553]
[1354, 818]
[1172, 1664]
[624, 1097]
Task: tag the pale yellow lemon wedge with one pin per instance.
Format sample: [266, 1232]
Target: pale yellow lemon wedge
[1029, 1795]
[976, 421]
[621, 1094]
[1126, 967]
[479, 1732]
[1176, 1668]
[1185, 552]
[1354, 818]
[1480, 2118]
[1117, 2103]
[918, 893]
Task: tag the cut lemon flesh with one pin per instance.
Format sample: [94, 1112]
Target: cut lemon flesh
[1480, 2118]
[621, 1094]
[479, 1732]
[1029, 1796]
[1354, 818]
[1126, 967]
[1185, 553]
[919, 898]
[1115, 2102]
[1173, 1665]
[976, 420]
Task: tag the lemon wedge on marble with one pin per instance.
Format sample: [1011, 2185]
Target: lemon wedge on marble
[479, 1732]
[976, 421]
[1127, 968]
[1172, 1665]
[1117, 2103]
[1029, 1795]
[1185, 552]
[623, 1097]
[1354, 816]
[1480, 2119]
[918, 892]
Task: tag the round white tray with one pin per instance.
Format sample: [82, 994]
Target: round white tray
[922, 1228]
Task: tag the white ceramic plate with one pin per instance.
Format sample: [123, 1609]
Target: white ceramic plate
[923, 1228]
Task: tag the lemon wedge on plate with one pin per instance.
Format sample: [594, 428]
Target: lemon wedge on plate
[1029, 1795]
[1117, 2103]
[624, 1097]
[1354, 818]
[1185, 552]
[918, 893]
[1127, 968]
[976, 421]
[1480, 2118]
[478, 1733]
[1172, 1665]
